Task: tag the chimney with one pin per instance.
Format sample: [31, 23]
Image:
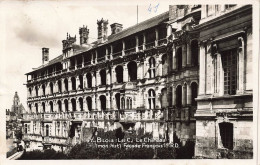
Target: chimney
[116, 28]
[83, 35]
[45, 55]
[102, 30]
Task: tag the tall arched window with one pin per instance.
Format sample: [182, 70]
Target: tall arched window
[194, 93]
[36, 108]
[103, 77]
[30, 92]
[129, 103]
[73, 104]
[30, 108]
[47, 130]
[151, 67]
[179, 96]
[164, 99]
[51, 88]
[43, 89]
[194, 52]
[102, 102]
[66, 105]
[89, 80]
[51, 106]
[179, 58]
[59, 106]
[132, 70]
[43, 107]
[119, 74]
[164, 65]
[117, 96]
[59, 86]
[89, 103]
[81, 103]
[66, 85]
[36, 91]
[151, 99]
[80, 82]
[73, 83]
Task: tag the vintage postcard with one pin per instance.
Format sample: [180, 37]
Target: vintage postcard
[162, 81]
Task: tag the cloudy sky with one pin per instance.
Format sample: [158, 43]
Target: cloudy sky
[27, 26]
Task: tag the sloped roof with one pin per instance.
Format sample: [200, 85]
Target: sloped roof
[139, 27]
[124, 33]
[53, 61]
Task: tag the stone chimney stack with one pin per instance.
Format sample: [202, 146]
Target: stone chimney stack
[83, 35]
[102, 30]
[45, 55]
[116, 28]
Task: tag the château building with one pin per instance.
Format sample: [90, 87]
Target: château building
[183, 74]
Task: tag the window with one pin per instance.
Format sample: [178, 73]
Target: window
[151, 99]
[51, 88]
[73, 83]
[194, 93]
[43, 90]
[151, 67]
[25, 128]
[229, 63]
[103, 77]
[89, 103]
[122, 103]
[103, 102]
[89, 80]
[226, 134]
[132, 70]
[179, 96]
[119, 74]
[179, 59]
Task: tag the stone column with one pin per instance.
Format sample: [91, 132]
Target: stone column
[173, 96]
[184, 95]
[173, 58]
[156, 37]
[85, 81]
[98, 77]
[113, 74]
[202, 70]
[188, 53]
[63, 106]
[70, 105]
[77, 82]
[96, 55]
[144, 39]
[77, 105]
[108, 77]
[62, 85]
[108, 101]
[184, 55]
[94, 102]
[106, 56]
[125, 74]
[221, 76]
[111, 53]
[123, 49]
[146, 68]
[93, 79]
[139, 70]
[136, 43]
[169, 30]
[159, 68]
[241, 66]
[69, 84]
[188, 94]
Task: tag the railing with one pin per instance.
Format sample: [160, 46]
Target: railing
[122, 115]
[117, 54]
[129, 51]
[101, 59]
[72, 68]
[162, 42]
[150, 45]
[140, 47]
[79, 66]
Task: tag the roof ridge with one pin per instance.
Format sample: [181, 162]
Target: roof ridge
[140, 23]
